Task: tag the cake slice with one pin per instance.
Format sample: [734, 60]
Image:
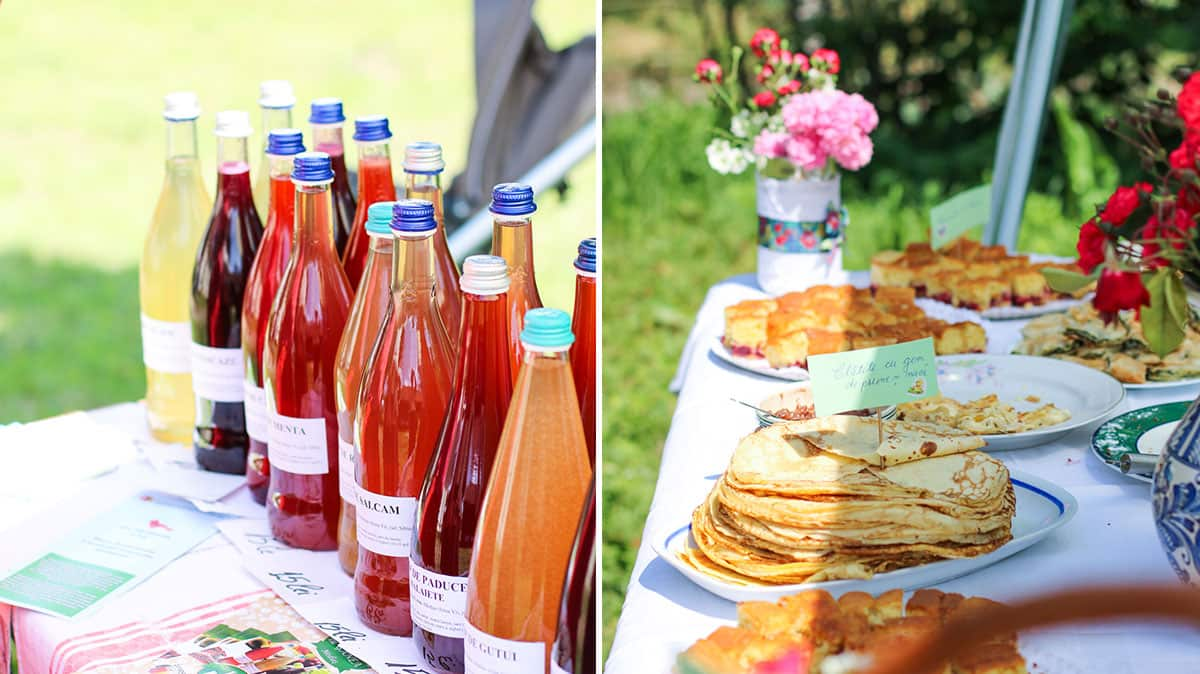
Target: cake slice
[1028, 286]
[978, 294]
[746, 327]
[889, 268]
[733, 650]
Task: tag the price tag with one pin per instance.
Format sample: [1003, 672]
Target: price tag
[959, 214]
[884, 375]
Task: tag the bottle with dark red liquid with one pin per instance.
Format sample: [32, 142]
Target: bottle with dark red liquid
[306, 323]
[423, 166]
[219, 277]
[583, 351]
[574, 649]
[512, 239]
[327, 120]
[375, 184]
[401, 408]
[452, 495]
[265, 276]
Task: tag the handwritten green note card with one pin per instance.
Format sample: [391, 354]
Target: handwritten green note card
[884, 375]
[959, 214]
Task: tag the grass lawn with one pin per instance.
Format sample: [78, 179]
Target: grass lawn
[83, 134]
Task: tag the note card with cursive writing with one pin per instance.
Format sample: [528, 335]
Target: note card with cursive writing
[884, 375]
[959, 214]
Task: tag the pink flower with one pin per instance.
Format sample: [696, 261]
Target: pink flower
[829, 59]
[853, 151]
[771, 145]
[764, 41]
[801, 62]
[806, 152]
[829, 123]
[765, 73]
[868, 118]
[763, 99]
[708, 70]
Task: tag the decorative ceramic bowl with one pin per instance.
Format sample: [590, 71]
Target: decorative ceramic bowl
[1177, 497]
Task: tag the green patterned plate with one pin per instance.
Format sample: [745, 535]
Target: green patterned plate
[1142, 431]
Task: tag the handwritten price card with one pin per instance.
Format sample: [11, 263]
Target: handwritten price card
[959, 214]
[884, 375]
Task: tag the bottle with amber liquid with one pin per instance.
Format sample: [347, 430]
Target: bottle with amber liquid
[423, 167]
[512, 239]
[583, 351]
[307, 318]
[327, 120]
[375, 184]
[401, 407]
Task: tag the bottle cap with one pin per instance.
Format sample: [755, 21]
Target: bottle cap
[512, 199]
[276, 94]
[233, 124]
[587, 255]
[413, 216]
[326, 111]
[423, 157]
[312, 167]
[484, 275]
[372, 127]
[285, 142]
[379, 218]
[181, 106]
[547, 330]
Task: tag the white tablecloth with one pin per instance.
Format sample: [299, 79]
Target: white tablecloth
[1112, 538]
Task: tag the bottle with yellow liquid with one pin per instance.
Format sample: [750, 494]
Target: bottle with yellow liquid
[166, 276]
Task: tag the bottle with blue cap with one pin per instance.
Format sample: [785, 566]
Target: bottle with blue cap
[275, 101]
[512, 239]
[375, 184]
[219, 278]
[583, 351]
[423, 167]
[532, 508]
[327, 120]
[266, 275]
[165, 274]
[401, 407]
[371, 305]
[306, 322]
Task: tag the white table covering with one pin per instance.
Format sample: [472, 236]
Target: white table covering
[1112, 539]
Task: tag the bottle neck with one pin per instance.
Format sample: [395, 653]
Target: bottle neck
[427, 186]
[413, 265]
[374, 170]
[232, 155]
[314, 216]
[181, 139]
[512, 239]
[327, 138]
[531, 355]
[280, 166]
[275, 118]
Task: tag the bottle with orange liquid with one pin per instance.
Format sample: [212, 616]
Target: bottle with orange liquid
[512, 239]
[575, 646]
[371, 306]
[423, 166]
[276, 100]
[375, 184]
[449, 506]
[306, 322]
[583, 352]
[531, 510]
[263, 283]
[401, 407]
[327, 120]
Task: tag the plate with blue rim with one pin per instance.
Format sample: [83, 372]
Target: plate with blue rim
[1142, 431]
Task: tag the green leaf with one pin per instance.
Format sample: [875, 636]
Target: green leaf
[1065, 281]
[1177, 302]
[1164, 331]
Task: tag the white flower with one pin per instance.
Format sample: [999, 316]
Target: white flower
[726, 159]
[746, 124]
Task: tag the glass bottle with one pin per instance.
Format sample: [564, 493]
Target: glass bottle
[165, 274]
[512, 239]
[402, 404]
[451, 496]
[218, 285]
[423, 166]
[307, 318]
[574, 650]
[375, 184]
[530, 511]
[266, 275]
[583, 351]
[327, 120]
[371, 305]
[276, 100]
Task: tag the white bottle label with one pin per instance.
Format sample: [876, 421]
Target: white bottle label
[486, 654]
[256, 411]
[217, 374]
[346, 459]
[165, 345]
[385, 523]
[439, 603]
[297, 445]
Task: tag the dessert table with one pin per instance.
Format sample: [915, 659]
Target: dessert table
[1112, 538]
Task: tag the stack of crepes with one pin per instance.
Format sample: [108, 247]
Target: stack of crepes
[822, 499]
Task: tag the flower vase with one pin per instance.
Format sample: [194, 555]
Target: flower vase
[1177, 497]
[801, 225]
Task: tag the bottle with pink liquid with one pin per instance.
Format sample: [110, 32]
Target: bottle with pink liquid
[327, 120]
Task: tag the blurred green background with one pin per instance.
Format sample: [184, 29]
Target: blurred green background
[938, 72]
[83, 137]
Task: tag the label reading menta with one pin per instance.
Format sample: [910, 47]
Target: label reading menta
[256, 411]
[165, 345]
[385, 523]
[297, 445]
[487, 654]
[439, 603]
[217, 373]
[346, 459]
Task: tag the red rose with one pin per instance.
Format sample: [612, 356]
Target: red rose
[789, 87]
[1150, 247]
[1188, 103]
[763, 99]
[829, 58]
[765, 73]
[1118, 290]
[764, 41]
[1188, 199]
[1121, 205]
[708, 70]
[801, 62]
[1186, 155]
[1091, 245]
[780, 56]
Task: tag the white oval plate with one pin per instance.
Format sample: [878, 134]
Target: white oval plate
[1163, 384]
[1042, 507]
[1089, 395]
[1051, 307]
